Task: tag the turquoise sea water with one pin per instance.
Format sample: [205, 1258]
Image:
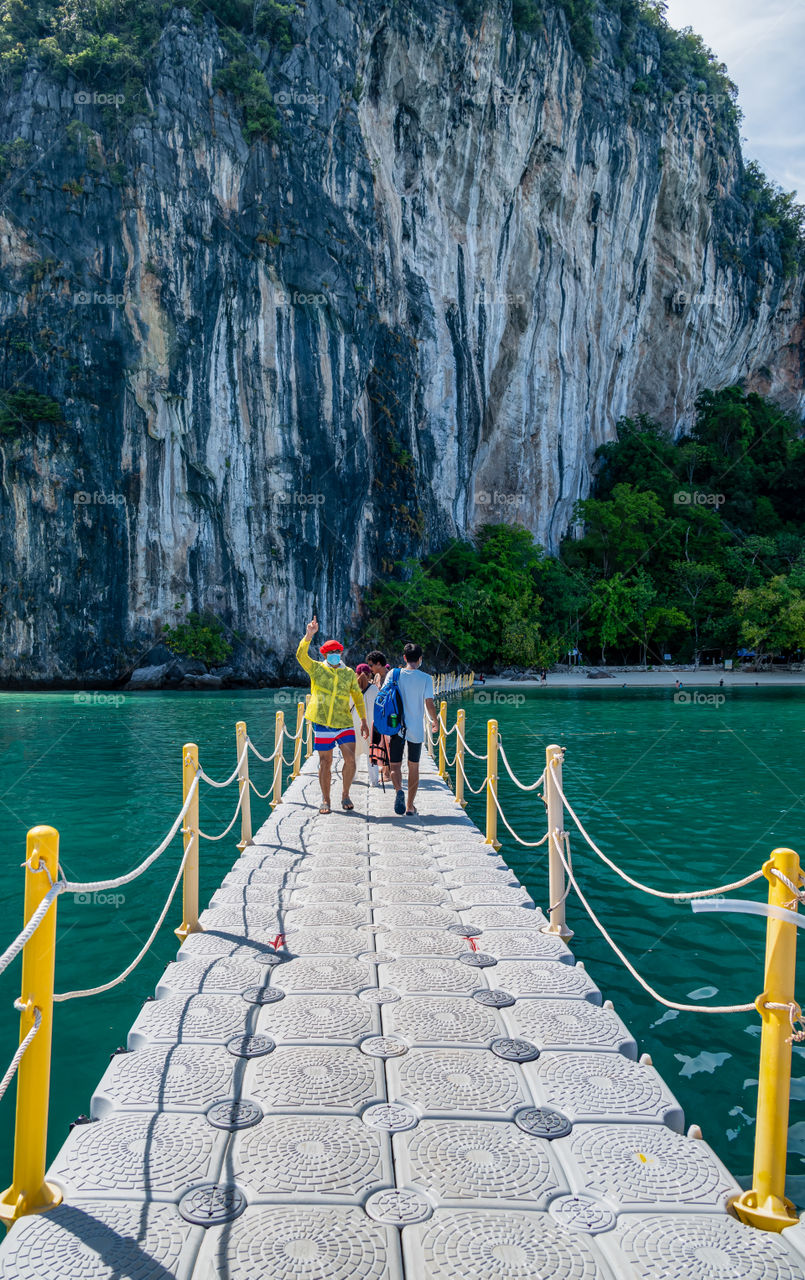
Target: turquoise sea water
[681, 795]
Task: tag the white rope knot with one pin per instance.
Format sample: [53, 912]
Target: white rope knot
[22, 1006]
[799, 894]
[43, 866]
[794, 1016]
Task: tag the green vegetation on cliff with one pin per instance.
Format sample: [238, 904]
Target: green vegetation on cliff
[108, 45]
[693, 546]
[199, 636]
[22, 408]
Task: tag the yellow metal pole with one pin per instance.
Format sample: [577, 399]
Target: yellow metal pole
[442, 740]
[29, 1192]
[492, 783]
[555, 815]
[279, 725]
[190, 837]
[297, 746]
[309, 747]
[243, 786]
[460, 758]
[765, 1204]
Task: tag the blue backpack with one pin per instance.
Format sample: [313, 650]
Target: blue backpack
[389, 715]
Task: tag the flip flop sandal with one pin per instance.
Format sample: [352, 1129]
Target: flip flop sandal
[325, 808]
[347, 804]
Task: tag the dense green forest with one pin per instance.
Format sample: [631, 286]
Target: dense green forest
[694, 546]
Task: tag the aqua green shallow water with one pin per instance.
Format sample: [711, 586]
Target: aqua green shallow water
[681, 795]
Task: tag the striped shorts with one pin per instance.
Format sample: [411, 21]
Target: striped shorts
[325, 738]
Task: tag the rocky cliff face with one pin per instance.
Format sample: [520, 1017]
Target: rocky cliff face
[284, 366]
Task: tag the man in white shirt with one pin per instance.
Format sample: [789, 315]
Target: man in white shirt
[416, 690]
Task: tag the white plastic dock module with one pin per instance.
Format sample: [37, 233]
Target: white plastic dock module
[374, 1065]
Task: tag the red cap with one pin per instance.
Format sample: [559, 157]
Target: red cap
[331, 646]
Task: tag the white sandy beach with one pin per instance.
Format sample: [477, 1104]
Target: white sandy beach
[659, 679]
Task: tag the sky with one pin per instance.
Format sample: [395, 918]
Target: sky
[763, 44]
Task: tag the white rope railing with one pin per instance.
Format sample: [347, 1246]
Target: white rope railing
[94, 886]
[121, 977]
[238, 807]
[265, 759]
[33, 924]
[527, 844]
[531, 786]
[669, 1004]
[211, 781]
[102, 886]
[467, 747]
[476, 791]
[20, 1054]
[636, 884]
[262, 795]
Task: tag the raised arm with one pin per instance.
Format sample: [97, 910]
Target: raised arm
[302, 656]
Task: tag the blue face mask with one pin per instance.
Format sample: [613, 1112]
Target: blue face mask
[334, 659]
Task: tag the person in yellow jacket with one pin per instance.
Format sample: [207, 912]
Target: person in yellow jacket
[333, 686]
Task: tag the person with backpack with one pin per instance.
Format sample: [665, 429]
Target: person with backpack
[400, 712]
[333, 686]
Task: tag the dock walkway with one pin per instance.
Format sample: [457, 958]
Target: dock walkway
[373, 1064]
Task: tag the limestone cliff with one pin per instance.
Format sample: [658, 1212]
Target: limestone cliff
[282, 366]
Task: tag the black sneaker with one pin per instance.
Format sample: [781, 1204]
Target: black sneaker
[399, 803]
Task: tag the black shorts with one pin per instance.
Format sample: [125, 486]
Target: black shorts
[396, 745]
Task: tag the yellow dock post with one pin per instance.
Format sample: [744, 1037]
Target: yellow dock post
[29, 1192]
[492, 783]
[243, 786]
[279, 726]
[556, 871]
[460, 758]
[297, 746]
[765, 1204]
[442, 739]
[309, 746]
[191, 838]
